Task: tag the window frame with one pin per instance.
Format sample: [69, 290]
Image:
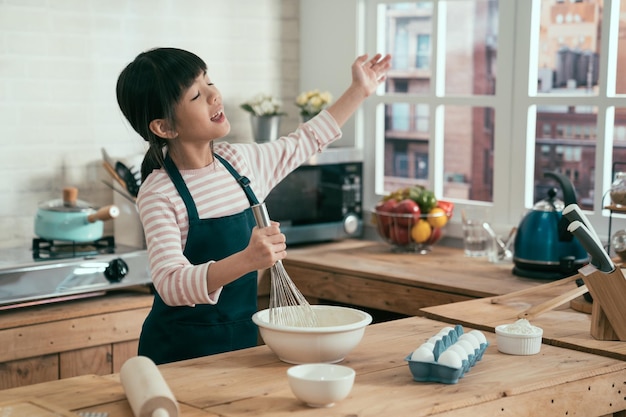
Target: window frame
[514, 99]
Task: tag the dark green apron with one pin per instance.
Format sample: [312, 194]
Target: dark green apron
[176, 333]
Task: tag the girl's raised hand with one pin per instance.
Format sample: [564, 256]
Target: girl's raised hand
[368, 74]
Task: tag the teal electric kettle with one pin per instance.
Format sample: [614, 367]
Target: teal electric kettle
[544, 249]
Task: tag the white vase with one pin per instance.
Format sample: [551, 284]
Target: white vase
[265, 128]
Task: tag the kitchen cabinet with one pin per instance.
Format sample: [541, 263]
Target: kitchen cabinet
[70, 338]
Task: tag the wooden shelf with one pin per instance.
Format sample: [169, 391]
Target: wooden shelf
[615, 208]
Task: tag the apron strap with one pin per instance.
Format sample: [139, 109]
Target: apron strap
[243, 181]
[182, 189]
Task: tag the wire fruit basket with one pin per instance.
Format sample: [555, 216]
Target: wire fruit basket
[410, 232]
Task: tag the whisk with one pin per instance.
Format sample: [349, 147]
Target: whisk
[288, 307]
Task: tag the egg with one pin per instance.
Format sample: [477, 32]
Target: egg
[470, 338]
[469, 349]
[422, 354]
[479, 335]
[460, 350]
[429, 346]
[433, 340]
[446, 330]
[450, 358]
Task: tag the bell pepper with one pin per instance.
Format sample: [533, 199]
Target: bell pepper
[426, 200]
[446, 206]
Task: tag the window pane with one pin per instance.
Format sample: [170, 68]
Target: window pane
[569, 47]
[471, 47]
[566, 143]
[408, 34]
[468, 153]
[620, 87]
[406, 145]
[619, 142]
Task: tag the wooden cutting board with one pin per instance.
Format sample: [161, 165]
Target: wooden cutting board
[32, 408]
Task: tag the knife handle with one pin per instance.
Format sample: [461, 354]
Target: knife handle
[599, 258]
[573, 212]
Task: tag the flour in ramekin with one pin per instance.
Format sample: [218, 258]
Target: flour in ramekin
[522, 326]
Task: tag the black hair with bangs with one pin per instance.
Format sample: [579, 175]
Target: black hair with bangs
[149, 88]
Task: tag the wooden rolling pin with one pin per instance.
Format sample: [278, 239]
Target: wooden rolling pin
[147, 392]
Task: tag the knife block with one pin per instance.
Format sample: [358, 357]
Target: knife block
[609, 308]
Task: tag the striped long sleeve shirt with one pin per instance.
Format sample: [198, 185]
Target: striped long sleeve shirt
[216, 194]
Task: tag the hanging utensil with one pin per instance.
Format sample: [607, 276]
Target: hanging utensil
[111, 170]
[122, 193]
[287, 307]
[131, 178]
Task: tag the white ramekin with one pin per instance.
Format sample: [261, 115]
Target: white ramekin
[518, 344]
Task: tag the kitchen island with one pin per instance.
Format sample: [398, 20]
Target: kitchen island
[252, 382]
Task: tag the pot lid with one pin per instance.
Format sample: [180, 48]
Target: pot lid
[68, 204]
[551, 203]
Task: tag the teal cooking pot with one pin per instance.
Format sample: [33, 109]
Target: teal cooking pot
[544, 248]
[70, 219]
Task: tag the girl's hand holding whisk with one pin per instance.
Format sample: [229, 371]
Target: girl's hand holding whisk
[267, 246]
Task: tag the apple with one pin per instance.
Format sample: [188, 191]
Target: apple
[382, 208]
[407, 206]
[434, 236]
[383, 224]
[400, 235]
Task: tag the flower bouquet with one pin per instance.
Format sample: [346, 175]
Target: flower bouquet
[312, 102]
[263, 105]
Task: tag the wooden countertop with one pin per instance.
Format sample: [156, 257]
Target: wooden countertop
[443, 269]
[251, 382]
[370, 274]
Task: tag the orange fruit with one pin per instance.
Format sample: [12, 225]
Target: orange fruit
[437, 217]
[421, 231]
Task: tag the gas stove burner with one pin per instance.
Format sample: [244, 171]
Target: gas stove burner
[45, 249]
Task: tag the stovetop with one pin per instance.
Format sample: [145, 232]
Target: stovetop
[27, 279]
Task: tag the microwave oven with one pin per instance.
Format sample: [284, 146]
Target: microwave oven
[321, 200]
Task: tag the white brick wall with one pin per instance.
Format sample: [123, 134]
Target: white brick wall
[59, 61]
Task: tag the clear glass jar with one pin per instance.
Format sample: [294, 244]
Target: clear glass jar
[618, 189]
[618, 243]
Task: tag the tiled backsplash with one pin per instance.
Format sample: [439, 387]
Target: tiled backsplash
[59, 62]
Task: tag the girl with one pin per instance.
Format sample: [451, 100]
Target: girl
[194, 203]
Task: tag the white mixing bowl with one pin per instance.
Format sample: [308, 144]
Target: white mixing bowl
[339, 330]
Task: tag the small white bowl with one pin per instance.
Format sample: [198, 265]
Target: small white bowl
[320, 384]
[518, 344]
[339, 330]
